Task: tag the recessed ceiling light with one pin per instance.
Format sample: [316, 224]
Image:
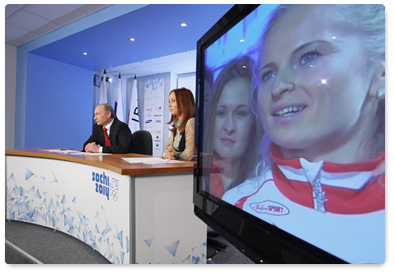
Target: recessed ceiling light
[84, 53]
[241, 40]
[183, 24]
[132, 39]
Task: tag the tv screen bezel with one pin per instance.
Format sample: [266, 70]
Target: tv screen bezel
[258, 240]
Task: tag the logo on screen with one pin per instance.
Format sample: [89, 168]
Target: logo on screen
[106, 186]
[270, 207]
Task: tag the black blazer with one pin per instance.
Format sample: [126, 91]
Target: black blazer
[120, 137]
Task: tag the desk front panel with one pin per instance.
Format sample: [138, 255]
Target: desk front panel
[166, 229]
[89, 203]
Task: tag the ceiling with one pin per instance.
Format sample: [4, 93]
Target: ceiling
[161, 43]
[24, 23]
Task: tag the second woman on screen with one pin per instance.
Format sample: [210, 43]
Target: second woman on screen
[232, 131]
[181, 141]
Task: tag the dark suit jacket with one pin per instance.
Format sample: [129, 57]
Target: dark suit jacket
[120, 137]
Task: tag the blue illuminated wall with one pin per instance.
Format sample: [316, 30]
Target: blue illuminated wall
[58, 104]
[26, 134]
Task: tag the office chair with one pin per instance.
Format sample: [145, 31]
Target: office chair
[143, 142]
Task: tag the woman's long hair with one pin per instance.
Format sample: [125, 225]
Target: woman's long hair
[186, 108]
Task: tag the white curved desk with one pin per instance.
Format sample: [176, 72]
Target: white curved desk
[130, 213]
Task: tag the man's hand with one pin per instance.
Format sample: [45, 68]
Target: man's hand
[92, 148]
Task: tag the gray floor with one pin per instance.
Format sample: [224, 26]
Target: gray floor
[43, 245]
[47, 246]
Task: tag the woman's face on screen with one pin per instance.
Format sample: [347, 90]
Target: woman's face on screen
[234, 120]
[313, 80]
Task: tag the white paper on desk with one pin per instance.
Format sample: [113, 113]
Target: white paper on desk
[150, 160]
[86, 153]
[60, 151]
[71, 152]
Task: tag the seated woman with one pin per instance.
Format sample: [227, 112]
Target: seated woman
[181, 142]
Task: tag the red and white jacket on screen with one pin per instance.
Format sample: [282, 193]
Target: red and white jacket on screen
[338, 207]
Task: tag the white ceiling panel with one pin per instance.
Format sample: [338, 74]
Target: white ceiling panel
[9, 9]
[13, 32]
[48, 11]
[25, 20]
[24, 23]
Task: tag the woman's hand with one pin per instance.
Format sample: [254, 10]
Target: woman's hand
[170, 152]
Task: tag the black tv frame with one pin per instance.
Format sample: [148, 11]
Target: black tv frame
[258, 240]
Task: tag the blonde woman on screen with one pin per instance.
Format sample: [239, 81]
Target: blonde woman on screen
[321, 100]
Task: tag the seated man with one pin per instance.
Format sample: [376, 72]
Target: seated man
[110, 135]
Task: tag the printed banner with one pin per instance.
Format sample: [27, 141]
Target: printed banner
[154, 90]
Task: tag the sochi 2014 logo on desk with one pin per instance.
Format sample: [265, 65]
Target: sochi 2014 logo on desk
[105, 185]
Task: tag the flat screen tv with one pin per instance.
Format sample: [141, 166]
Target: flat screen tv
[290, 132]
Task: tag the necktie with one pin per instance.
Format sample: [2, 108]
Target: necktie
[108, 143]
